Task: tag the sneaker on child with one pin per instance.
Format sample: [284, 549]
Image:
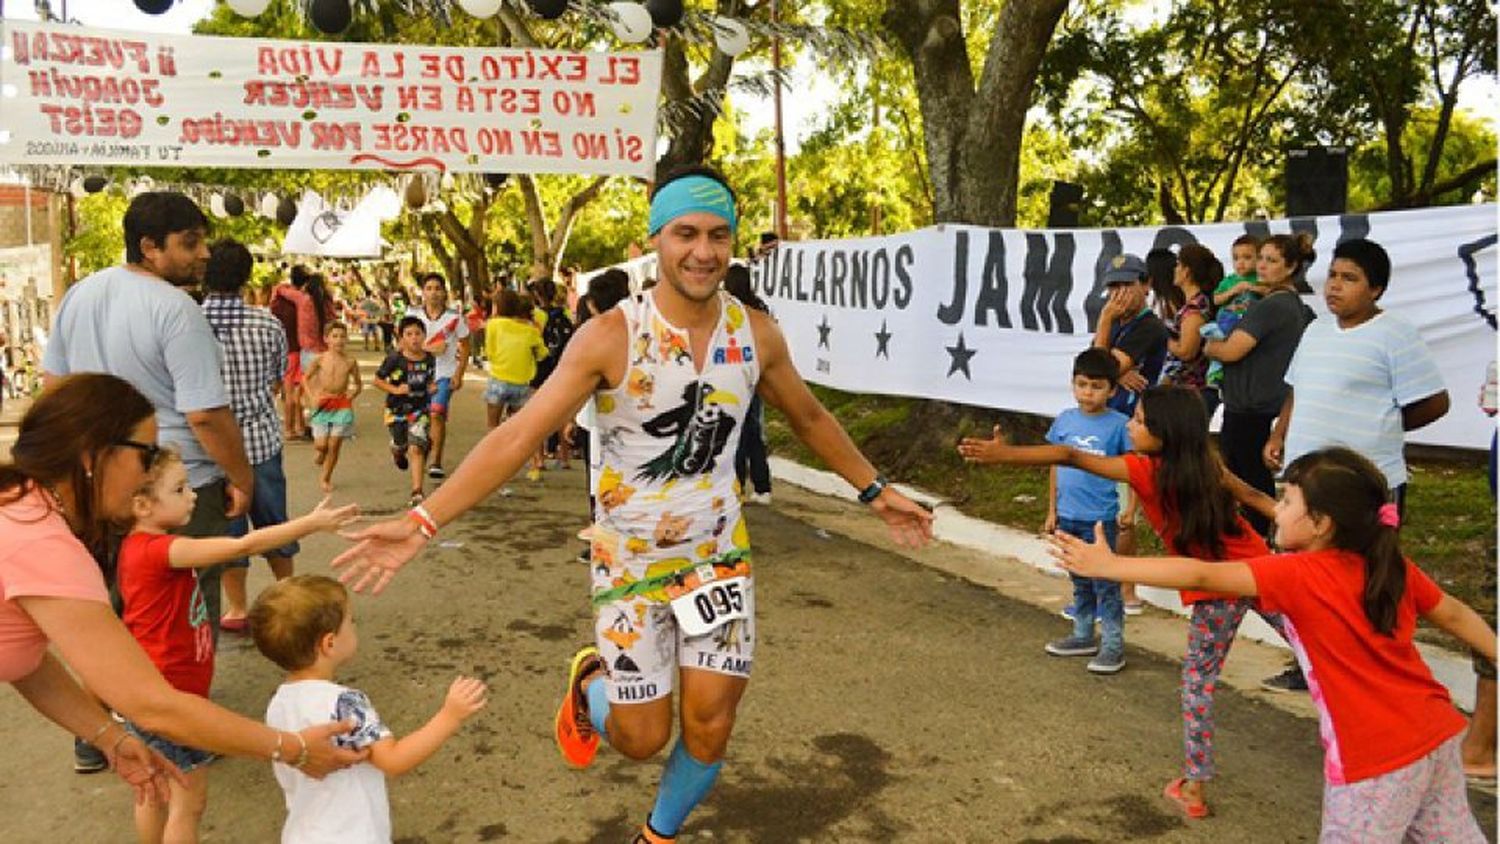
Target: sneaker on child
[1073, 646]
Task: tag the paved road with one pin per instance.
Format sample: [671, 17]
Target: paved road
[891, 702]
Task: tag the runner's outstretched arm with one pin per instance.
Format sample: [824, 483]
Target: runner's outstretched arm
[383, 548]
[783, 388]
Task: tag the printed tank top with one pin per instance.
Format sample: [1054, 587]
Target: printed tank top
[664, 481]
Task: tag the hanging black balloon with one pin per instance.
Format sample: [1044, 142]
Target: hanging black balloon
[154, 7]
[665, 13]
[233, 205]
[496, 181]
[330, 16]
[286, 212]
[94, 184]
[549, 9]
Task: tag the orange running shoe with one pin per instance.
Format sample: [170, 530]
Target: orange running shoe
[575, 735]
[647, 835]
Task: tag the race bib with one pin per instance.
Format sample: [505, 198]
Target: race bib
[711, 605]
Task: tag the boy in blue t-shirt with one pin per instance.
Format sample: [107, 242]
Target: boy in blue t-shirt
[1077, 500]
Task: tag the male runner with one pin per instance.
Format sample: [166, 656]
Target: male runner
[448, 340]
[672, 372]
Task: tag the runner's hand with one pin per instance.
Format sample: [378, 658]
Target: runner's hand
[1085, 559]
[910, 522]
[382, 549]
[237, 501]
[975, 450]
[146, 771]
[323, 756]
[1049, 524]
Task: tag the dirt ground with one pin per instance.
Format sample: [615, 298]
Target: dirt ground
[894, 699]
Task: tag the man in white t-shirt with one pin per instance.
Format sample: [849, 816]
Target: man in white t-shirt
[448, 340]
[1361, 379]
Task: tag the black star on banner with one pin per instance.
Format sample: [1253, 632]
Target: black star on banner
[823, 329]
[961, 355]
[883, 342]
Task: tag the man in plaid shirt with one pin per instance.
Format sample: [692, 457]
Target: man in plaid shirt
[255, 359]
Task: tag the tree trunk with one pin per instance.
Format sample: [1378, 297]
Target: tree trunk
[693, 141]
[548, 242]
[973, 136]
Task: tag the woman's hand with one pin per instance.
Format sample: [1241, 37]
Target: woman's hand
[323, 756]
[146, 771]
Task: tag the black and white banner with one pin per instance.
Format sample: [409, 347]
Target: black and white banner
[994, 317]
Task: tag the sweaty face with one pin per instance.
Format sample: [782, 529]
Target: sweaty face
[181, 260]
[694, 252]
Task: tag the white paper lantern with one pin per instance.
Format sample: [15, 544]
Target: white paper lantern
[216, 204]
[76, 188]
[480, 8]
[731, 36]
[268, 205]
[632, 23]
[248, 8]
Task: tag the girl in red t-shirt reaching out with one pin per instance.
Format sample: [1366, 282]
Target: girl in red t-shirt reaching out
[1189, 498]
[166, 613]
[1390, 733]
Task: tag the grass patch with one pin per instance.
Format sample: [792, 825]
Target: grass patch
[1450, 528]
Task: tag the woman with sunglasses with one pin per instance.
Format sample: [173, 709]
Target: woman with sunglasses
[83, 451]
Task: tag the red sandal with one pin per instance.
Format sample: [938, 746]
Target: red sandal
[1173, 792]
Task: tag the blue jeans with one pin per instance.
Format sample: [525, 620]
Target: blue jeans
[267, 508]
[1095, 598]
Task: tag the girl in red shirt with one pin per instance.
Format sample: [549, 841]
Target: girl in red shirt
[1189, 498]
[165, 612]
[1390, 733]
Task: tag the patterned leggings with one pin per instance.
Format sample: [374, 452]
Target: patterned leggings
[1424, 801]
[1210, 633]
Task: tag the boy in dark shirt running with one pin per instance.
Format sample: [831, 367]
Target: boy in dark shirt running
[406, 378]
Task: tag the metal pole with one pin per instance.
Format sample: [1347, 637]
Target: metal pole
[780, 135]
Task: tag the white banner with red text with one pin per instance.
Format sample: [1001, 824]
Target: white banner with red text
[994, 317]
[100, 97]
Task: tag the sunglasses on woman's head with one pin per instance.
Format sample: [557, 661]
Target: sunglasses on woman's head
[148, 451]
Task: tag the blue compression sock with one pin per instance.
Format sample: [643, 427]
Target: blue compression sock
[684, 784]
[598, 698]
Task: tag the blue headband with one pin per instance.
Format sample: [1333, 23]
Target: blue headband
[688, 195]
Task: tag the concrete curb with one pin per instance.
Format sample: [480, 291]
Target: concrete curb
[1001, 543]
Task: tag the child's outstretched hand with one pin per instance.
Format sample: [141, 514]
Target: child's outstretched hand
[975, 450]
[1082, 558]
[466, 696]
[324, 517]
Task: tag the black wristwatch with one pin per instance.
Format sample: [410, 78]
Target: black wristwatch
[872, 492]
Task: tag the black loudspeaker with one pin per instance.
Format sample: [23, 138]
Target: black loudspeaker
[1317, 181]
[1063, 205]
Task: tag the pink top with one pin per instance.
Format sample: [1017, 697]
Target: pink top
[308, 335]
[39, 557]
